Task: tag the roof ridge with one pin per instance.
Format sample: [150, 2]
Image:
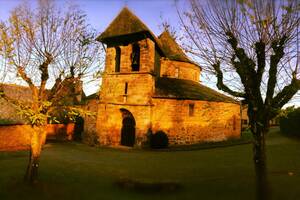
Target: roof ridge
[172, 49]
[14, 85]
[124, 11]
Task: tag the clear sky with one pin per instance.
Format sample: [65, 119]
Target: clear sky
[101, 12]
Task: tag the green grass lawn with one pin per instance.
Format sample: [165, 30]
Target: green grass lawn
[75, 171]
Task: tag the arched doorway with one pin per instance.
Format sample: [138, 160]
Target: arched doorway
[128, 128]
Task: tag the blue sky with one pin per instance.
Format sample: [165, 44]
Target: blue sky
[101, 12]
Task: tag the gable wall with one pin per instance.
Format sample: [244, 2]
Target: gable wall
[186, 70]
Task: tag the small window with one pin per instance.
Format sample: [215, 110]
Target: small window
[245, 122]
[117, 59]
[191, 109]
[234, 123]
[126, 88]
[135, 57]
[177, 72]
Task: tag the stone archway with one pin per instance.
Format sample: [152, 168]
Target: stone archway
[128, 128]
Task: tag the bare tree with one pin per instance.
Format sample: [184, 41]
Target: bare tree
[46, 47]
[252, 47]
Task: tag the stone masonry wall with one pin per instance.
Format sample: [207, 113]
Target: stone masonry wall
[212, 121]
[140, 85]
[140, 88]
[185, 70]
[89, 135]
[109, 123]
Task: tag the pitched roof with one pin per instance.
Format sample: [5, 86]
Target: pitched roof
[171, 48]
[17, 92]
[86, 99]
[186, 89]
[124, 24]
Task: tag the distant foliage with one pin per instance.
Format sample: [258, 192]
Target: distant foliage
[6, 122]
[159, 140]
[290, 122]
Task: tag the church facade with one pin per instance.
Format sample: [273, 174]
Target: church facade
[150, 85]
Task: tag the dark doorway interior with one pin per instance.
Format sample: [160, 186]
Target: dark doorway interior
[128, 128]
[79, 127]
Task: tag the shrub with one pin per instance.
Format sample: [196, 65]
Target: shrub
[159, 140]
[290, 123]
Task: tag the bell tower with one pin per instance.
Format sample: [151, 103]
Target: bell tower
[129, 75]
[128, 82]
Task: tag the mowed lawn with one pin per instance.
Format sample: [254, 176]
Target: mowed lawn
[76, 171]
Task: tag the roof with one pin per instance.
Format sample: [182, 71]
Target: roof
[23, 94]
[172, 50]
[124, 24]
[17, 92]
[94, 96]
[186, 89]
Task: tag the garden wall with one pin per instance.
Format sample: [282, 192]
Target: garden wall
[17, 137]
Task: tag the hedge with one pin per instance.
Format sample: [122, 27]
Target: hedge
[290, 123]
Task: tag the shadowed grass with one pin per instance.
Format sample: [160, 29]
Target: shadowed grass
[75, 171]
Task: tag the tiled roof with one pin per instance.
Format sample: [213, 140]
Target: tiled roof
[186, 89]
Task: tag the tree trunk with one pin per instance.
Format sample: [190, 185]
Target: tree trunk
[260, 163]
[37, 140]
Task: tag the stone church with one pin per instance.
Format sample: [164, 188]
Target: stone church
[150, 85]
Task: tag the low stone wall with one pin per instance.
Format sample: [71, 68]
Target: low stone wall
[60, 131]
[14, 137]
[17, 137]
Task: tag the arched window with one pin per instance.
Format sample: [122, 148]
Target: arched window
[135, 57]
[117, 59]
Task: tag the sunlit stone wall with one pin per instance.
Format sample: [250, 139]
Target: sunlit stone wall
[109, 123]
[211, 121]
[18, 137]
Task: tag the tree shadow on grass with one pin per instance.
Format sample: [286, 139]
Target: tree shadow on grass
[148, 186]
